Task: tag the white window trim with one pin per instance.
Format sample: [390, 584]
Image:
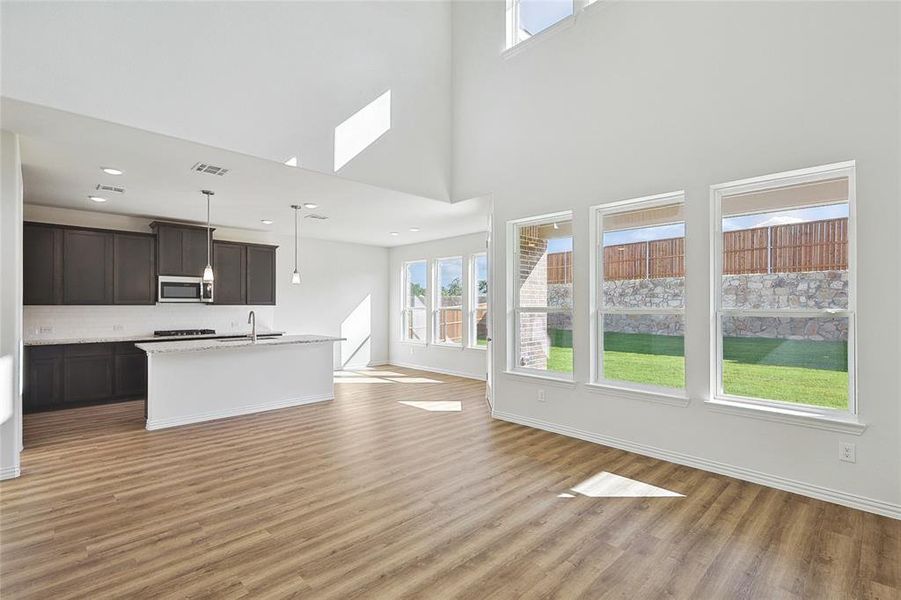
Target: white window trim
[404, 310]
[801, 414]
[512, 46]
[471, 329]
[436, 307]
[513, 308]
[677, 396]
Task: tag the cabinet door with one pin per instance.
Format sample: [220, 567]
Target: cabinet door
[88, 372]
[130, 371]
[230, 266]
[134, 266]
[87, 267]
[194, 252]
[42, 264]
[169, 250]
[260, 275]
[43, 387]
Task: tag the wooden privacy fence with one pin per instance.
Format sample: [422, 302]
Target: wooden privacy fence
[450, 323]
[794, 247]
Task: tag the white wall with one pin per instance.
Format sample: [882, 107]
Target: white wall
[343, 293]
[640, 98]
[10, 303]
[268, 79]
[465, 361]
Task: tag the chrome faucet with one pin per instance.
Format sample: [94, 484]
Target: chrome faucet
[252, 319]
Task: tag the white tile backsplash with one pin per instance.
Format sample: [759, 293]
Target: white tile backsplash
[63, 322]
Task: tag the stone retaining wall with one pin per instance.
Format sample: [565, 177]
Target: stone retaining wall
[770, 291]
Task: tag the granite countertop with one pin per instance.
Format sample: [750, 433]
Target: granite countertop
[207, 344]
[149, 337]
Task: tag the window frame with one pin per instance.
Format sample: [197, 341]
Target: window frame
[406, 311]
[472, 326]
[511, 23]
[766, 182]
[596, 374]
[513, 307]
[436, 307]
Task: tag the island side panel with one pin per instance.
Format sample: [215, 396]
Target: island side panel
[191, 387]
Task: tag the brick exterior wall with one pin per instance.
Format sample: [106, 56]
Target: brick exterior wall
[533, 340]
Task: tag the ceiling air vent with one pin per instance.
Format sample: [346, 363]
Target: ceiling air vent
[110, 188]
[209, 169]
[315, 216]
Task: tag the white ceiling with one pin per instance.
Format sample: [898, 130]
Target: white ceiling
[62, 154]
[267, 79]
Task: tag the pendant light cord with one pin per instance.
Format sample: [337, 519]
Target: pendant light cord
[295, 239]
[208, 228]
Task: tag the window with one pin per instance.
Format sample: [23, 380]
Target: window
[415, 307]
[478, 301]
[640, 299]
[542, 295]
[448, 317]
[528, 18]
[784, 290]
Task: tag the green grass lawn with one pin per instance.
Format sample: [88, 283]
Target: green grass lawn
[801, 371]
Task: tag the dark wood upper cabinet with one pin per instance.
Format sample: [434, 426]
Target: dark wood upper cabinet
[134, 260]
[230, 269]
[260, 274]
[77, 265]
[195, 254]
[181, 249]
[42, 264]
[87, 267]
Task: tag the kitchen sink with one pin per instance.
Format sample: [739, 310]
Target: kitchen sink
[244, 339]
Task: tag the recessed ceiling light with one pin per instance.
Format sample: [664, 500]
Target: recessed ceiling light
[111, 171]
[414, 229]
[394, 233]
[291, 162]
[310, 205]
[97, 198]
[266, 221]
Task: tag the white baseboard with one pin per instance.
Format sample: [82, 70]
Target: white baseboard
[878, 507]
[9, 472]
[435, 370]
[234, 412]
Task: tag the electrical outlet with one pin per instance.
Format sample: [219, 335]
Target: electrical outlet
[46, 330]
[541, 397]
[847, 452]
[234, 324]
[411, 350]
[117, 328]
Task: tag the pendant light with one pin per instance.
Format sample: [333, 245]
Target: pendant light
[208, 269]
[295, 277]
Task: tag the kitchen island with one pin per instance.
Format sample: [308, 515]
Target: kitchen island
[202, 380]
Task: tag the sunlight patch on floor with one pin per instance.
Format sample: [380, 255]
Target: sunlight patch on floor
[435, 405]
[413, 380]
[610, 485]
[374, 375]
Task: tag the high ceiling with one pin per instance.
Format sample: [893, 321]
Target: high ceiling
[266, 79]
[62, 156]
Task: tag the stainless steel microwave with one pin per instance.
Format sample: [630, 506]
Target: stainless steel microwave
[184, 289]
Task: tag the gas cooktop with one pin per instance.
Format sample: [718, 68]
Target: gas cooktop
[174, 332]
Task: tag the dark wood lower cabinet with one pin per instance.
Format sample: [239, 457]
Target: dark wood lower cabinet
[82, 374]
[130, 372]
[43, 385]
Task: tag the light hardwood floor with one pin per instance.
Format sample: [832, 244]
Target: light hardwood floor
[365, 497]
